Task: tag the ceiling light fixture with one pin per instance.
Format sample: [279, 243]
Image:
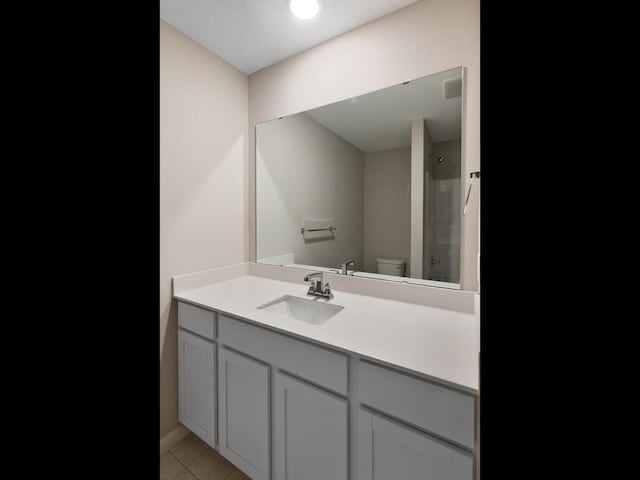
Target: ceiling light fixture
[304, 9]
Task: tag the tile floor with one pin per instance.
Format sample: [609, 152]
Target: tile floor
[192, 459]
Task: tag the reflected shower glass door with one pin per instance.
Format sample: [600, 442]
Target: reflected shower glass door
[442, 213]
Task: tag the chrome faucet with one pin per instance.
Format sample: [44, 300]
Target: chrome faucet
[346, 264]
[316, 288]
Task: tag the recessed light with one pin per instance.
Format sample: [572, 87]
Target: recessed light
[304, 9]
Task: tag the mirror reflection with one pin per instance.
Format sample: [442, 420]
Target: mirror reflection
[369, 186]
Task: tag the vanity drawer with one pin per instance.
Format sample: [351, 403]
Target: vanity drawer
[315, 364]
[197, 320]
[436, 409]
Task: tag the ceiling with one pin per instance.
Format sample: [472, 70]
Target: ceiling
[381, 120]
[253, 34]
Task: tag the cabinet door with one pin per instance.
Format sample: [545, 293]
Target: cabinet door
[244, 413]
[196, 385]
[388, 450]
[310, 432]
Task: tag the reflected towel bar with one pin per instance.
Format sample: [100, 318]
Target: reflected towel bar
[330, 229]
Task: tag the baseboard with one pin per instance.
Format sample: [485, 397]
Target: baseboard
[173, 437]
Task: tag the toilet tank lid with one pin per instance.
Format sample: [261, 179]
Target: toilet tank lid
[392, 261]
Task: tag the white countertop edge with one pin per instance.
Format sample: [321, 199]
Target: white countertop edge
[193, 281]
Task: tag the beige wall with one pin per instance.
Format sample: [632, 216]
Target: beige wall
[203, 158]
[387, 206]
[424, 38]
[305, 170]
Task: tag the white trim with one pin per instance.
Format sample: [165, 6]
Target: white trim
[312, 267]
[476, 309]
[409, 280]
[173, 437]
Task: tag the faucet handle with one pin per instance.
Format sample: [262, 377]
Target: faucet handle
[327, 289]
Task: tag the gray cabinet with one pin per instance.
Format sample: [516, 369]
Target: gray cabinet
[317, 364]
[282, 408]
[244, 413]
[310, 427]
[196, 385]
[389, 450]
[442, 411]
[197, 320]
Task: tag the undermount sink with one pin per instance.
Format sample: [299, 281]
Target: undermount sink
[311, 311]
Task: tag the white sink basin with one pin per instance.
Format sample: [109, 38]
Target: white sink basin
[305, 310]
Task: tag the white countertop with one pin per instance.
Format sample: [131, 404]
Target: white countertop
[439, 343]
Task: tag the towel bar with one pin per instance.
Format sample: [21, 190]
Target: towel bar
[330, 229]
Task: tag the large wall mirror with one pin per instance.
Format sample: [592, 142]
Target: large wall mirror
[375, 179]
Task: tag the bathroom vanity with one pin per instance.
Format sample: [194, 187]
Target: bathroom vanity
[290, 387]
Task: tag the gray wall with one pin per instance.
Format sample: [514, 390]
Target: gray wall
[306, 171]
[387, 206]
